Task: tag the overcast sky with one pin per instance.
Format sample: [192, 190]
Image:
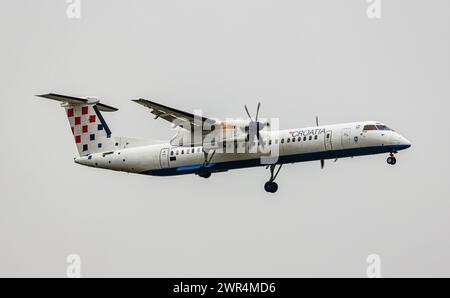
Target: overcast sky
[300, 59]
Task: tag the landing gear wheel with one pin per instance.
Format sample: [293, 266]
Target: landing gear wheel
[391, 160]
[271, 187]
[204, 173]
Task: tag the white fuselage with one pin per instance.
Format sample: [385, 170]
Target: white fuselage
[293, 145]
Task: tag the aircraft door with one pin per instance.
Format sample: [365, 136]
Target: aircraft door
[164, 158]
[346, 135]
[328, 138]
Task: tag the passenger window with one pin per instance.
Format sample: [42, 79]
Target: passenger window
[370, 127]
[282, 141]
[289, 140]
[270, 142]
[293, 140]
[304, 138]
[328, 135]
[310, 138]
[171, 153]
[178, 152]
[299, 139]
[316, 137]
[193, 150]
[182, 151]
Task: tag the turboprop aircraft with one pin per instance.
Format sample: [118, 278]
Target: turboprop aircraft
[203, 146]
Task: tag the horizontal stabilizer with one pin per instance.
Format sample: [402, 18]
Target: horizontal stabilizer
[77, 100]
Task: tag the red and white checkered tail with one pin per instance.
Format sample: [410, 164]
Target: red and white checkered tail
[90, 131]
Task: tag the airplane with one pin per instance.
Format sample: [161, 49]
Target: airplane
[252, 142]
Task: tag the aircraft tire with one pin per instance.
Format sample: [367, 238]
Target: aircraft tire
[204, 173]
[271, 187]
[391, 160]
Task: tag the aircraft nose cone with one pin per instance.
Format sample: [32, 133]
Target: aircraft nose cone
[404, 142]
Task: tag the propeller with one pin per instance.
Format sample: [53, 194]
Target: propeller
[322, 162]
[254, 127]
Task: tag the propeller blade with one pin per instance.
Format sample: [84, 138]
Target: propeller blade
[257, 111]
[246, 109]
[322, 163]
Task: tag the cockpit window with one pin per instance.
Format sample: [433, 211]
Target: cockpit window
[370, 127]
[383, 127]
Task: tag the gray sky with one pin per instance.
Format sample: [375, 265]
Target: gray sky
[299, 58]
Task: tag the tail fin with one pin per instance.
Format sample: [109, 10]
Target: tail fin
[91, 133]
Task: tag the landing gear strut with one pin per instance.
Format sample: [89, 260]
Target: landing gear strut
[204, 171]
[270, 185]
[391, 159]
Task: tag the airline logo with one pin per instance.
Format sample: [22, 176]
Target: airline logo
[307, 132]
[85, 126]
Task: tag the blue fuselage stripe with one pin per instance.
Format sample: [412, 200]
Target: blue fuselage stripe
[194, 167]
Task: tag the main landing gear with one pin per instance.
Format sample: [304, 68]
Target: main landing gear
[204, 171]
[270, 185]
[391, 159]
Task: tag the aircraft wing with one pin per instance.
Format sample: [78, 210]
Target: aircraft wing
[178, 117]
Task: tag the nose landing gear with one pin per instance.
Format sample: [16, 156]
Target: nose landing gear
[391, 160]
[270, 185]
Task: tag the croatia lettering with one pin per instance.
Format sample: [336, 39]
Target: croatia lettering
[307, 132]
